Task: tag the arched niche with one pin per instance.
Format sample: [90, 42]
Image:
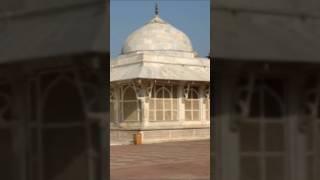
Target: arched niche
[63, 103]
[261, 106]
[192, 105]
[8, 133]
[129, 104]
[164, 103]
[310, 126]
[63, 125]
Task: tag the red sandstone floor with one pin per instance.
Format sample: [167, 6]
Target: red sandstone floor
[165, 161]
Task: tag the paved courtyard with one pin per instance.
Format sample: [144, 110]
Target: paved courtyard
[164, 161]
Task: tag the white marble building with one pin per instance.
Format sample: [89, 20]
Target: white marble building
[159, 87]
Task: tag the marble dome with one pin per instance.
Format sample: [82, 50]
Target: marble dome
[157, 35]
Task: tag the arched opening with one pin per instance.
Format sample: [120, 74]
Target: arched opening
[262, 139]
[8, 133]
[312, 131]
[192, 105]
[63, 103]
[7, 155]
[63, 133]
[129, 105]
[164, 104]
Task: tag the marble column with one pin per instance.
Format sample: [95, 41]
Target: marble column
[145, 110]
[181, 105]
[202, 105]
[117, 97]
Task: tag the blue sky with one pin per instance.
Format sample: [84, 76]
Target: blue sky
[190, 16]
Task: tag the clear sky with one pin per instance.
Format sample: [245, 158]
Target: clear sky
[190, 16]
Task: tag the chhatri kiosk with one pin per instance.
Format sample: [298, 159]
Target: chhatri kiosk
[159, 87]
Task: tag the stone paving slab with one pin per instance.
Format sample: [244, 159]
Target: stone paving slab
[187, 160]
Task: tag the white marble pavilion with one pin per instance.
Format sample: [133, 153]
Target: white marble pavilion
[159, 87]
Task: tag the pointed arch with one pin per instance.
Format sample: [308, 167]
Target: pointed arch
[266, 102]
[192, 105]
[129, 104]
[163, 92]
[62, 100]
[262, 127]
[164, 103]
[310, 126]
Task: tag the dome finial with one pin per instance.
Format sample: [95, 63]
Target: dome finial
[156, 9]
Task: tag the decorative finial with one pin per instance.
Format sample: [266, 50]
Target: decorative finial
[156, 9]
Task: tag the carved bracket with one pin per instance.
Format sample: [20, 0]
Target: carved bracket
[148, 90]
[112, 93]
[186, 91]
[90, 94]
[207, 92]
[242, 102]
[311, 110]
[138, 88]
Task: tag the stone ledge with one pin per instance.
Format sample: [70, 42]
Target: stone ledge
[122, 137]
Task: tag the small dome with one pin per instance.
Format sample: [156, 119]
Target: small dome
[157, 35]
